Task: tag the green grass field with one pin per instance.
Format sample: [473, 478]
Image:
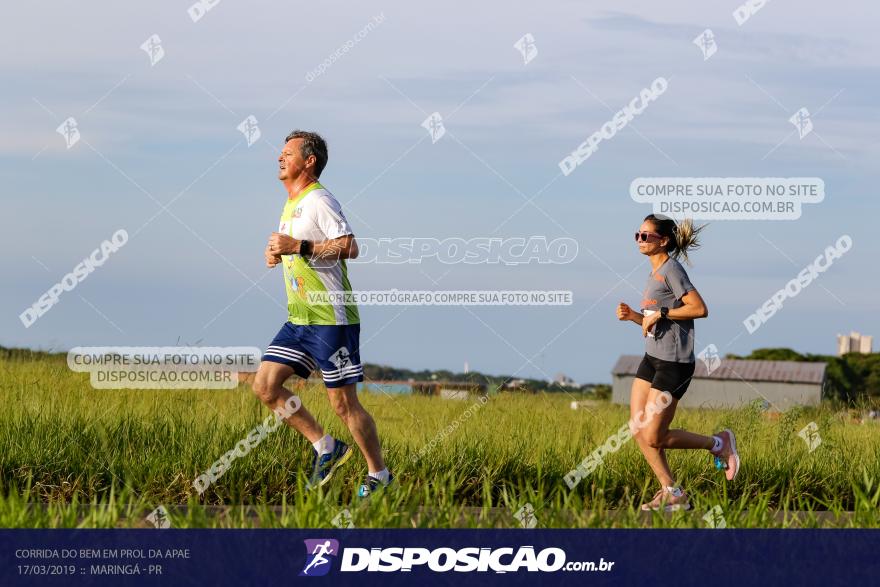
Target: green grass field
[73, 456]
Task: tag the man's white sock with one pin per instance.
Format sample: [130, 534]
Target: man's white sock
[382, 476]
[718, 444]
[325, 445]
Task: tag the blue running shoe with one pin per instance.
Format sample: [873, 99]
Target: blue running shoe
[325, 465]
[371, 485]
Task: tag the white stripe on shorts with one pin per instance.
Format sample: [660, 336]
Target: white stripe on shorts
[342, 373]
[294, 355]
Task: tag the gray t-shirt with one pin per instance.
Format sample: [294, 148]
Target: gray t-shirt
[670, 340]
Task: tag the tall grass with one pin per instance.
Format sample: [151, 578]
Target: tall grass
[75, 456]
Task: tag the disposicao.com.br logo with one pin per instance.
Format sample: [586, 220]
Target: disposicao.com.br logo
[442, 560]
[318, 552]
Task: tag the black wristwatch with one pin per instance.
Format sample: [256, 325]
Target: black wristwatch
[305, 248]
[664, 312]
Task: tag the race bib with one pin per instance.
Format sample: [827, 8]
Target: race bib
[648, 313]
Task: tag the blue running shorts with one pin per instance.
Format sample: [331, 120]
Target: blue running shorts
[335, 349]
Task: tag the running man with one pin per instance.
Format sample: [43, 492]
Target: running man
[319, 552]
[669, 306]
[312, 243]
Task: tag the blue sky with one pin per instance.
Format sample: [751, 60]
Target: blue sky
[168, 132]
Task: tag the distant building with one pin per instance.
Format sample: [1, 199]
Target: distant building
[443, 389]
[736, 383]
[564, 380]
[516, 385]
[854, 343]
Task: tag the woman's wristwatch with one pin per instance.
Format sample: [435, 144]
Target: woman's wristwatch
[664, 312]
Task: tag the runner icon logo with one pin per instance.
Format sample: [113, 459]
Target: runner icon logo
[341, 358]
[318, 553]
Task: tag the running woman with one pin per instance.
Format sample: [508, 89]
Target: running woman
[312, 243]
[669, 307]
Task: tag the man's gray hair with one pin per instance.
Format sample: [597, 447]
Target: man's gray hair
[313, 144]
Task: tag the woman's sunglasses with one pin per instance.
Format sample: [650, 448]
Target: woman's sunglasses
[646, 236]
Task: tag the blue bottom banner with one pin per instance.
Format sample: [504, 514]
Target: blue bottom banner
[438, 557]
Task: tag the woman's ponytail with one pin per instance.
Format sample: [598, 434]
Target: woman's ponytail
[683, 236]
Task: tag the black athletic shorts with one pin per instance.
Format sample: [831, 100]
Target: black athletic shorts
[666, 375]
